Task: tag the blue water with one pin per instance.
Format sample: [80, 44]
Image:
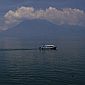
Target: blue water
[65, 66]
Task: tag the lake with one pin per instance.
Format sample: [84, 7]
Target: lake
[64, 66]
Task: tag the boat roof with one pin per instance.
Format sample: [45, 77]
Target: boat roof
[49, 45]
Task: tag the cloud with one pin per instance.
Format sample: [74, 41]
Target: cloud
[65, 16]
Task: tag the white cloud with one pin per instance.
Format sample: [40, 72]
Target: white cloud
[65, 16]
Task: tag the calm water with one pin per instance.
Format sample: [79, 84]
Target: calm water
[66, 66]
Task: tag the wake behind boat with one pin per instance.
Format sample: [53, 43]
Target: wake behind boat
[47, 47]
[43, 47]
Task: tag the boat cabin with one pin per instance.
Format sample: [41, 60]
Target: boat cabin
[51, 47]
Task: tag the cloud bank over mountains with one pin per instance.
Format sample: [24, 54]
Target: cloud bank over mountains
[64, 16]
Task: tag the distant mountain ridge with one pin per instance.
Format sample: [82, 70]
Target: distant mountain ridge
[42, 29]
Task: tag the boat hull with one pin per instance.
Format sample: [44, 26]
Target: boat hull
[43, 48]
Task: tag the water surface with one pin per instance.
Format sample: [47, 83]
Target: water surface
[65, 66]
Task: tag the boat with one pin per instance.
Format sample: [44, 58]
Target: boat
[47, 47]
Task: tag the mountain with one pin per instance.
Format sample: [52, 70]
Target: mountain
[43, 29]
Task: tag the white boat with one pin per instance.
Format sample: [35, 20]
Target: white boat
[48, 47]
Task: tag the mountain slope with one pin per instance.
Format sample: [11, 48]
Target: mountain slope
[43, 29]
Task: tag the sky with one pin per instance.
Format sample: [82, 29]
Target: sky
[59, 12]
